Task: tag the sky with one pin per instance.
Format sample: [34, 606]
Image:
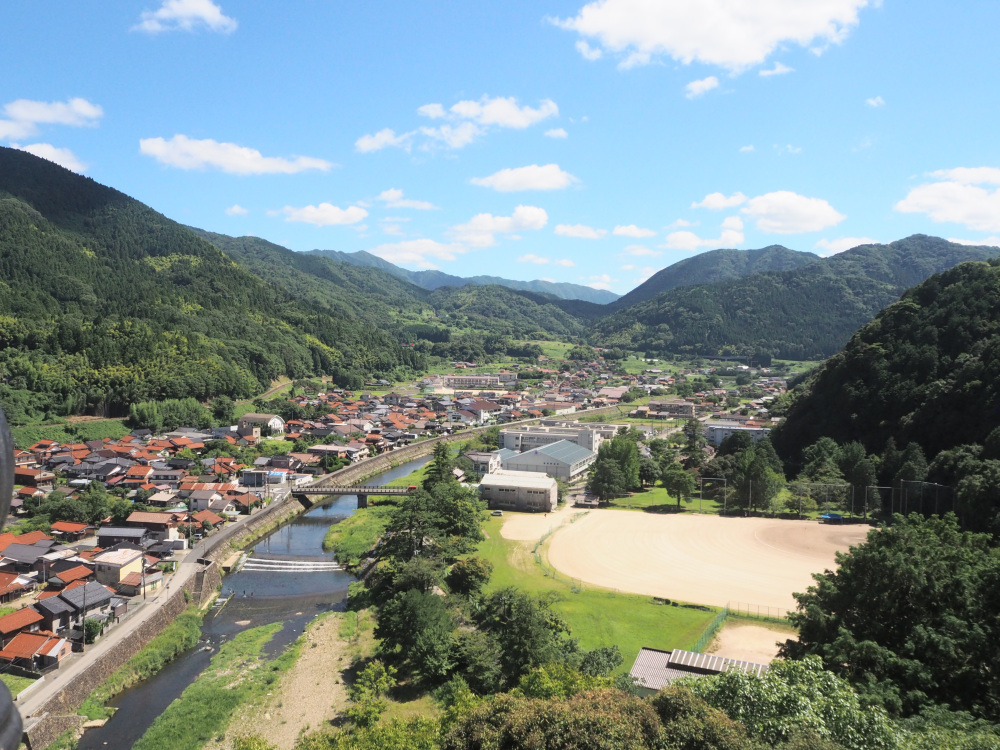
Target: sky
[592, 143]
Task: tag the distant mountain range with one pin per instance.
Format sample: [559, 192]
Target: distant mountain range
[436, 279]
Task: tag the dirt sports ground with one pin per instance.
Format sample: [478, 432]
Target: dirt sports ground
[690, 557]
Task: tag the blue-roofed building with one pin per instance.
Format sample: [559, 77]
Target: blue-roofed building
[560, 460]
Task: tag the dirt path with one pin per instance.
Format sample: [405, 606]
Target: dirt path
[309, 694]
[530, 527]
[700, 558]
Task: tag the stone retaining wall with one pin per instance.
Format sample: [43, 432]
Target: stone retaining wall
[59, 713]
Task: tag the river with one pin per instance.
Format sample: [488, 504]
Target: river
[255, 597]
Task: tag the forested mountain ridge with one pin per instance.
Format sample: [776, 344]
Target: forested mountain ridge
[431, 280]
[715, 266]
[806, 313]
[923, 371]
[104, 302]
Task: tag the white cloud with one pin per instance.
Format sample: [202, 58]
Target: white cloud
[732, 34]
[685, 240]
[481, 229]
[987, 241]
[189, 153]
[832, 247]
[325, 215]
[603, 281]
[748, 149]
[542, 261]
[733, 222]
[628, 267]
[61, 156]
[788, 149]
[557, 133]
[779, 69]
[588, 52]
[236, 210]
[382, 139]
[504, 112]
[434, 111]
[25, 115]
[469, 119]
[417, 252]
[697, 88]
[452, 136]
[970, 175]
[580, 231]
[680, 223]
[533, 177]
[957, 197]
[185, 15]
[640, 251]
[393, 198]
[633, 231]
[875, 101]
[785, 212]
[718, 201]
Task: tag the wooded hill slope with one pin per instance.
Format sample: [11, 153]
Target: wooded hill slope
[104, 302]
[923, 371]
[805, 313]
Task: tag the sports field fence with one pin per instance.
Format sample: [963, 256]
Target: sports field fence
[757, 611]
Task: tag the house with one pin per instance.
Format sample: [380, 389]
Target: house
[36, 651]
[254, 424]
[161, 526]
[520, 490]
[13, 586]
[561, 460]
[63, 578]
[203, 499]
[109, 536]
[207, 516]
[653, 669]
[113, 566]
[88, 599]
[483, 463]
[137, 584]
[68, 531]
[25, 620]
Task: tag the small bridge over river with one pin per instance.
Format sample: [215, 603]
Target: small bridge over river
[305, 494]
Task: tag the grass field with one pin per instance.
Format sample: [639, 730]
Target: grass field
[16, 684]
[237, 674]
[597, 617]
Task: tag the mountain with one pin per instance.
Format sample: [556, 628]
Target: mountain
[924, 371]
[431, 280]
[805, 313]
[715, 266]
[105, 302]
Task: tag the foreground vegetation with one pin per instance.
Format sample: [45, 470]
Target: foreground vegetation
[237, 674]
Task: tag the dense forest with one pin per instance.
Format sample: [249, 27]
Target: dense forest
[104, 302]
[806, 313]
[715, 266]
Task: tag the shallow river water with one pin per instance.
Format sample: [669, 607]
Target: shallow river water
[257, 598]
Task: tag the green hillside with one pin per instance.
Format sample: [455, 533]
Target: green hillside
[715, 266]
[924, 371]
[806, 313]
[104, 302]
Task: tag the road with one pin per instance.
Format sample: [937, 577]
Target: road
[76, 664]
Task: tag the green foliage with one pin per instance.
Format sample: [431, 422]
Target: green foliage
[352, 538]
[467, 577]
[178, 637]
[909, 617]
[689, 723]
[414, 734]
[601, 661]
[678, 482]
[420, 624]
[802, 313]
[606, 480]
[368, 693]
[923, 372]
[795, 696]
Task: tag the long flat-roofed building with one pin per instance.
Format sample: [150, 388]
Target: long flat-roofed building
[520, 490]
[529, 438]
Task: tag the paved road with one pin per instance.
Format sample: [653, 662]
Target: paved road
[75, 665]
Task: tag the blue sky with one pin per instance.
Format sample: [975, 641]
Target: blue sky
[586, 142]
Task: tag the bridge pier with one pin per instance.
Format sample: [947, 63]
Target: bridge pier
[362, 501]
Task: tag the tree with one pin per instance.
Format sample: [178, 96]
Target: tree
[649, 471]
[601, 661]
[467, 577]
[793, 696]
[622, 449]
[368, 693]
[678, 482]
[439, 469]
[689, 723]
[223, 410]
[695, 436]
[606, 480]
[909, 617]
